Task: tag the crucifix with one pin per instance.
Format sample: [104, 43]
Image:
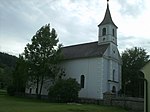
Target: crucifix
[107, 1]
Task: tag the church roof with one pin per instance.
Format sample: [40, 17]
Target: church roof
[107, 18]
[84, 50]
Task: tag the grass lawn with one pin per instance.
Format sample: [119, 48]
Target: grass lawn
[13, 104]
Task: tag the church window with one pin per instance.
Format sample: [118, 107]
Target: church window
[113, 89]
[30, 91]
[113, 31]
[82, 81]
[104, 32]
[114, 51]
[113, 75]
[103, 39]
[36, 90]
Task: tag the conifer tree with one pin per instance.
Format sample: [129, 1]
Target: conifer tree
[42, 56]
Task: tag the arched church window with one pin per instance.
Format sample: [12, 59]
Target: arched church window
[113, 75]
[113, 32]
[104, 31]
[113, 89]
[36, 90]
[82, 81]
[30, 90]
[103, 39]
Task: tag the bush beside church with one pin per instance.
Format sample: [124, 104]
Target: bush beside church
[64, 90]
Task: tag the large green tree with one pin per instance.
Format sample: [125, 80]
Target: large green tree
[5, 77]
[19, 78]
[133, 60]
[20, 75]
[42, 56]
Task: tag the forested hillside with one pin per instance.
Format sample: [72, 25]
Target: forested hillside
[7, 60]
[7, 64]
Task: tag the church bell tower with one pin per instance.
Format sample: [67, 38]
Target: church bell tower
[107, 29]
[107, 34]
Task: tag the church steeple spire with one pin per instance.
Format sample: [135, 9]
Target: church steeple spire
[107, 18]
[107, 29]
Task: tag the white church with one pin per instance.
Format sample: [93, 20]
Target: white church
[95, 65]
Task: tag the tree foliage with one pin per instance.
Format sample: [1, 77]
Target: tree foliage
[64, 90]
[20, 75]
[5, 77]
[42, 56]
[7, 65]
[19, 78]
[133, 60]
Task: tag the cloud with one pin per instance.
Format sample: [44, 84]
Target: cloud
[131, 7]
[74, 20]
[131, 41]
[12, 46]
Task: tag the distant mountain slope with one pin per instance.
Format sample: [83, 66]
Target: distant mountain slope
[7, 60]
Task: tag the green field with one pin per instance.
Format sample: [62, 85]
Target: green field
[13, 104]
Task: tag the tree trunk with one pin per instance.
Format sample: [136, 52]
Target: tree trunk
[37, 87]
[41, 86]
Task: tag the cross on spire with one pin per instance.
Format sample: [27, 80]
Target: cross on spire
[107, 18]
[107, 1]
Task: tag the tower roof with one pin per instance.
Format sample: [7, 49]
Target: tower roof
[107, 18]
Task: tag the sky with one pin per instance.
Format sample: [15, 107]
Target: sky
[75, 22]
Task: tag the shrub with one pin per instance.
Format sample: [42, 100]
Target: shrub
[11, 90]
[64, 90]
